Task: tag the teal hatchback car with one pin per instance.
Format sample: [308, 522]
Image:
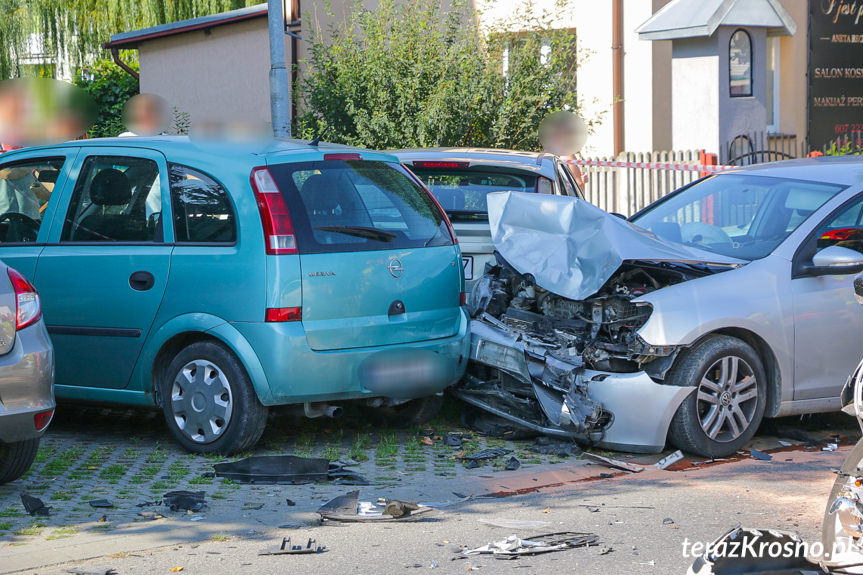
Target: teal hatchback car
[215, 281]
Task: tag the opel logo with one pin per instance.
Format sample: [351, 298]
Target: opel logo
[395, 267]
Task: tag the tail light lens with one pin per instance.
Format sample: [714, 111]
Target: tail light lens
[28, 307]
[278, 227]
[276, 314]
[41, 420]
[462, 299]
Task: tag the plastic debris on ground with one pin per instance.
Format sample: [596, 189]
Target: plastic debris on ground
[830, 447]
[185, 500]
[515, 523]
[760, 455]
[513, 546]
[348, 508]
[791, 562]
[545, 445]
[614, 463]
[512, 464]
[288, 470]
[35, 506]
[669, 460]
[91, 571]
[101, 504]
[473, 461]
[286, 548]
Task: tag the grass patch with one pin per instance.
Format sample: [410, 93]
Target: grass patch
[31, 530]
[62, 533]
[62, 461]
[5, 526]
[220, 537]
[387, 449]
[360, 446]
[113, 473]
[201, 480]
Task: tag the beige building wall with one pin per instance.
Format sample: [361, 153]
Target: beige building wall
[221, 73]
[793, 63]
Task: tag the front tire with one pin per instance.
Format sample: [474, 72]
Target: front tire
[16, 459]
[725, 410]
[209, 401]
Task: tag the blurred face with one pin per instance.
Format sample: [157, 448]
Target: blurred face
[146, 115]
[36, 111]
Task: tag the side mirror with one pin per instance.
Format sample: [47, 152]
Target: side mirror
[835, 260]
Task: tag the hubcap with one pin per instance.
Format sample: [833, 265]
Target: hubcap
[201, 401]
[727, 398]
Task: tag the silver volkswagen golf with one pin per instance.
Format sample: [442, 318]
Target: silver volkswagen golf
[26, 373]
[725, 302]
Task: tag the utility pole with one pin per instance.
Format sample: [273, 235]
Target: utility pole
[280, 94]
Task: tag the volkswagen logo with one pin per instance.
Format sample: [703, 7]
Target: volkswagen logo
[395, 267]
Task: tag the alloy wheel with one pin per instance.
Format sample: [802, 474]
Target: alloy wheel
[201, 401]
[727, 398]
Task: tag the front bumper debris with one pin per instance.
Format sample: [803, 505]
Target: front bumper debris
[515, 378]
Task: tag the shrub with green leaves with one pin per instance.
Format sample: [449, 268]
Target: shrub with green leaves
[414, 74]
[110, 87]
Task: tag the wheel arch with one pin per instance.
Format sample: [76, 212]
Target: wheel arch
[768, 361]
[184, 330]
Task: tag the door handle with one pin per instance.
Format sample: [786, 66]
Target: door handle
[141, 281]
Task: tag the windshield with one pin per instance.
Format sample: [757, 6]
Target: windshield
[462, 192]
[736, 215]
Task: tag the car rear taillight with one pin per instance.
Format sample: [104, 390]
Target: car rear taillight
[439, 164]
[341, 157]
[275, 314]
[278, 227]
[462, 299]
[41, 420]
[29, 310]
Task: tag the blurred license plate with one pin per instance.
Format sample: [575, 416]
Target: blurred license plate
[467, 264]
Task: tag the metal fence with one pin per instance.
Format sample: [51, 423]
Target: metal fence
[625, 190]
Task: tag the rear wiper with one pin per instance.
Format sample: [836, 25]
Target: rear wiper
[360, 232]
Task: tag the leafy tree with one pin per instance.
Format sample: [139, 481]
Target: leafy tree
[412, 73]
[77, 28]
[110, 87]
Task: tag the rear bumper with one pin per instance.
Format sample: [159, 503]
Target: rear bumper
[297, 374]
[26, 384]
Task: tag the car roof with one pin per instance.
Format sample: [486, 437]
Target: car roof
[182, 149]
[841, 170]
[537, 162]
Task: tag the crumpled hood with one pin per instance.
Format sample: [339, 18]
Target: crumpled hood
[572, 247]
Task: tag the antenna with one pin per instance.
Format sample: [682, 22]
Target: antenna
[319, 137]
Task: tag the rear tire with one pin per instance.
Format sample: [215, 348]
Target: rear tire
[16, 459]
[209, 401]
[725, 410]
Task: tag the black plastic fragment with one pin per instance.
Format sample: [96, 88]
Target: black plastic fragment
[760, 455]
[101, 504]
[286, 548]
[34, 506]
[185, 500]
[512, 464]
[286, 469]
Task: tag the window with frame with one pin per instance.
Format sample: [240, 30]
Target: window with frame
[116, 199]
[740, 64]
[25, 189]
[202, 209]
[845, 229]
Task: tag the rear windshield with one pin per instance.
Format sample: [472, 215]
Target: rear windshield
[355, 205]
[462, 191]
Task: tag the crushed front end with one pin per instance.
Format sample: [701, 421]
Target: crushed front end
[574, 369]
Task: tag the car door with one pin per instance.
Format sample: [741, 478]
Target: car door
[103, 273]
[30, 188]
[828, 322]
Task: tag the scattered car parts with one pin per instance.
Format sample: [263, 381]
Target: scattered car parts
[513, 546]
[35, 506]
[348, 508]
[286, 548]
[185, 500]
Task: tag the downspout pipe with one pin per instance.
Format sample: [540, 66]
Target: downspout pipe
[115, 56]
[617, 73]
[280, 96]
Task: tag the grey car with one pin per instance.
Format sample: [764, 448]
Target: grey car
[26, 374]
[725, 302]
[460, 179]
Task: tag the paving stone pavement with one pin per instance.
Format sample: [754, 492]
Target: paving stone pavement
[129, 457]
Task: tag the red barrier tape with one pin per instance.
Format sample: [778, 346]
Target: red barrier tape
[652, 165]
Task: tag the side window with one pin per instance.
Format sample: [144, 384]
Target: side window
[845, 229]
[565, 184]
[25, 188]
[116, 199]
[202, 208]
